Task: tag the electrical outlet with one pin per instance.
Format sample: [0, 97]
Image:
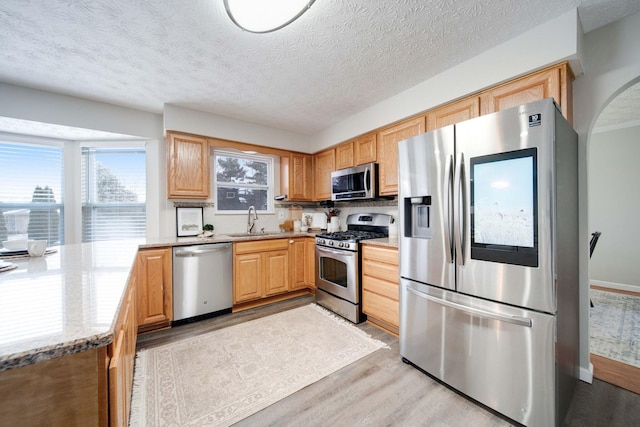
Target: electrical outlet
[280, 215]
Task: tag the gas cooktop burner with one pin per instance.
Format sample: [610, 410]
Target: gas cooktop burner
[352, 236]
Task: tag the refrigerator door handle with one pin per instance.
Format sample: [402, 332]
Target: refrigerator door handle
[459, 212]
[465, 206]
[516, 320]
[449, 172]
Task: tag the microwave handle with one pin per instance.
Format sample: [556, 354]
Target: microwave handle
[367, 179]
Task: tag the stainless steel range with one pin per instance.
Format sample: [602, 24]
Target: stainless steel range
[338, 263]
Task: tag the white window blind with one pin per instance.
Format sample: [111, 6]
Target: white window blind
[243, 180]
[31, 199]
[113, 193]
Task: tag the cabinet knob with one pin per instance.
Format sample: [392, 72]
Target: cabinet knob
[291, 242]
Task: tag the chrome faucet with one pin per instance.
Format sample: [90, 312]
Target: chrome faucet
[250, 223]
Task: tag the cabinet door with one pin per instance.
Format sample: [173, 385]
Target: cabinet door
[310, 262]
[544, 84]
[297, 264]
[155, 292]
[276, 272]
[247, 277]
[344, 155]
[380, 293]
[388, 152]
[453, 113]
[187, 166]
[301, 177]
[324, 164]
[364, 149]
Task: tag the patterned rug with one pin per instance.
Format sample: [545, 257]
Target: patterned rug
[615, 326]
[221, 377]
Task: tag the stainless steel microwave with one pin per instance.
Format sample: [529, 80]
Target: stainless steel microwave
[356, 183]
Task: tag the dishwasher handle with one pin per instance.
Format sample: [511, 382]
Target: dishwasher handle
[201, 249]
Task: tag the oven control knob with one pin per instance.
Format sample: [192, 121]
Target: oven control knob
[330, 243]
[320, 241]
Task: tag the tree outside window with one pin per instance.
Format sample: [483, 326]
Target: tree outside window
[242, 181]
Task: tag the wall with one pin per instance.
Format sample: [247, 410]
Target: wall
[613, 165]
[611, 63]
[552, 42]
[48, 107]
[201, 123]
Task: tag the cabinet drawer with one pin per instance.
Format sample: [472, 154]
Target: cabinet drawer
[381, 287]
[386, 272]
[380, 254]
[261, 246]
[380, 307]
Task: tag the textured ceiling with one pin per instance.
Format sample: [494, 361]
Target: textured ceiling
[339, 58]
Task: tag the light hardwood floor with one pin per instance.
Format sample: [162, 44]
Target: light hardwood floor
[612, 371]
[381, 390]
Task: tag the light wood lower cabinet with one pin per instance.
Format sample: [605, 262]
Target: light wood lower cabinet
[380, 292]
[88, 388]
[298, 263]
[122, 353]
[310, 262]
[154, 288]
[260, 269]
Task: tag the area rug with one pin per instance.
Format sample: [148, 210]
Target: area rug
[615, 326]
[221, 377]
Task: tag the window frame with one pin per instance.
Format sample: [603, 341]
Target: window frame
[270, 186]
[115, 145]
[62, 203]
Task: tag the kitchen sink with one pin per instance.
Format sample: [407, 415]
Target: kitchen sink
[266, 233]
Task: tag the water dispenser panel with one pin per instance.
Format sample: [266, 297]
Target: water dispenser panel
[418, 217]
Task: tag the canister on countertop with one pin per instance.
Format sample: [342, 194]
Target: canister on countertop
[295, 212]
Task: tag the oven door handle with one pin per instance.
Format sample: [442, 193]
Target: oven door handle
[334, 251]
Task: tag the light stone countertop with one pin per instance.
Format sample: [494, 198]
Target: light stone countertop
[391, 242]
[68, 301]
[62, 303]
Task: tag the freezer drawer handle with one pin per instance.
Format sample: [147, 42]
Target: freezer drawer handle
[516, 320]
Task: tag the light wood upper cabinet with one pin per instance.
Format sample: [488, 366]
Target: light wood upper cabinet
[553, 82]
[365, 149]
[154, 291]
[187, 166]
[388, 139]
[296, 177]
[324, 163]
[453, 113]
[344, 155]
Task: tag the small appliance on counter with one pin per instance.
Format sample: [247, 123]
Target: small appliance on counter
[318, 221]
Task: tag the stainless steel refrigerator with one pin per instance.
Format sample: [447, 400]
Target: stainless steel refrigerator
[489, 259]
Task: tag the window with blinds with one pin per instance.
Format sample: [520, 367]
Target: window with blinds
[31, 194]
[113, 193]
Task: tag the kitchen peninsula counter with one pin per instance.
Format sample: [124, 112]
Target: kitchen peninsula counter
[62, 303]
[68, 301]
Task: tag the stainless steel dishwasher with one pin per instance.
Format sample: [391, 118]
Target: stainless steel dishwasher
[202, 281]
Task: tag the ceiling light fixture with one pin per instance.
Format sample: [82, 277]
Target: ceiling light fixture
[262, 16]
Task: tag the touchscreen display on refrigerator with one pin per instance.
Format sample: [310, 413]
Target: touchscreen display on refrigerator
[504, 207]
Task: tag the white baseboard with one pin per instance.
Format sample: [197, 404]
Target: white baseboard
[586, 375]
[618, 286]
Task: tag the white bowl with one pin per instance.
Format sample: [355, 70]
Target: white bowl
[15, 245]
